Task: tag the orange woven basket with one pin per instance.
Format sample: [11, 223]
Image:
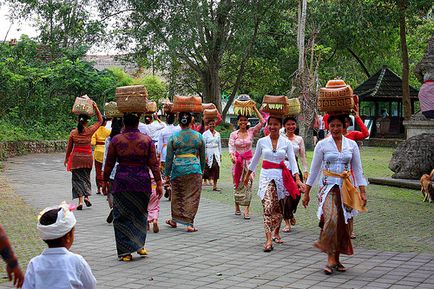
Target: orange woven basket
[187, 104]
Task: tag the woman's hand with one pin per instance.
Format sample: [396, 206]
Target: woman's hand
[159, 189]
[305, 176]
[233, 159]
[305, 200]
[363, 195]
[301, 186]
[105, 188]
[65, 163]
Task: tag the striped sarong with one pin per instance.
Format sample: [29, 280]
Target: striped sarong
[81, 186]
[186, 192]
[130, 213]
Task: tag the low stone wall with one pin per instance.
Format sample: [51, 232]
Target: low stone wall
[16, 148]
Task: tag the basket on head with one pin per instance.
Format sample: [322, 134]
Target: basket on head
[210, 114]
[111, 110]
[83, 105]
[187, 104]
[208, 106]
[275, 105]
[151, 107]
[131, 98]
[337, 96]
[244, 106]
[294, 107]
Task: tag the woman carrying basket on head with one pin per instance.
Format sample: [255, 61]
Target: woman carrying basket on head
[78, 158]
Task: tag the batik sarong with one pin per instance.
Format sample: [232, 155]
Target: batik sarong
[272, 209]
[130, 213]
[186, 192]
[335, 234]
[99, 178]
[213, 172]
[81, 186]
[243, 194]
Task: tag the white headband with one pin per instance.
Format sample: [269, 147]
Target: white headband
[64, 223]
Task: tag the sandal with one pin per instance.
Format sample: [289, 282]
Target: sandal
[126, 258]
[216, 189]
[328, 269]
[353, 235]
[88, 203]
[80, 207]
[191, 229]
[237, 213]
[340, 268]
[246, 217]
[171, 223]
[293, 221]
[268, 248]
[278, 240]
[142, 252]
[286, 229]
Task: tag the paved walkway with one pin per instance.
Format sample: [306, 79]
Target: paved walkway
[225, 253]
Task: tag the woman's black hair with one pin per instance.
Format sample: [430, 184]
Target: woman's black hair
[288, 118]
[82, 120]
[350, 120]
[170, 118]
[340, 117]
[131, 120]
[240, 116]
[279, 119]
[185, 118]
[116, 126]
[148, 119]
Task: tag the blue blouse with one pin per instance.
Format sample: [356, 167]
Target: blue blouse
[182, 143]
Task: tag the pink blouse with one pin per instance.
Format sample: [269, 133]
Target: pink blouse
[241, 145]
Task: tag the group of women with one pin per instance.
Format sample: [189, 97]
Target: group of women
[186, 153]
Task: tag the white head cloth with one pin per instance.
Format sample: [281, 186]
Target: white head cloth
[64, 223]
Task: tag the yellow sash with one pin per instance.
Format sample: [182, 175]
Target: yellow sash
[350, 195]
[186, 156]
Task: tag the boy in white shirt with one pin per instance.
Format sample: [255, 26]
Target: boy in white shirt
[57, 267]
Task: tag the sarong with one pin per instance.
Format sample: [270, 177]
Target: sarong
[212, 172]
[81, 183]
[242, 194]
[99, 178]
[272, 209]
[186, 192]
[289, 204]
[335, 234]
[154, 204]
[130, 212]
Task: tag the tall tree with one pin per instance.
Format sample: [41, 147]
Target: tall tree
[198, 32]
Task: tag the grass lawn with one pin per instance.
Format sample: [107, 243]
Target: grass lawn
[397, 219]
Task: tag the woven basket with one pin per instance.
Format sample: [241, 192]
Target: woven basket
[244, 107]
[83, 105]
[151, 107]
[131, 98]
[111, 110]
[187, 104]
[294, 107]
[276, 105]
[337, 96]
[208, 106]
[209, 114]
[167, 107]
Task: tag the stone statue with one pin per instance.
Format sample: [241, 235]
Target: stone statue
[413, 158]
[424, 72]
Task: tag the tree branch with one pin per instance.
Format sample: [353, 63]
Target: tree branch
[360, 62]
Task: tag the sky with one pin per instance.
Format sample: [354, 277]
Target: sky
[16, 29]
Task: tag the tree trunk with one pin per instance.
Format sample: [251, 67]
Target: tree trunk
[404, 58]
[211, 86]
[301, 33]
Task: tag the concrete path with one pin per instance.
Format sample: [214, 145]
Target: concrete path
[225, 253]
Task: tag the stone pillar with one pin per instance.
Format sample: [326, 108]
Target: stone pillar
[418, 124]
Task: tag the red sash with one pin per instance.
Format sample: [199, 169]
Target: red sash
[288, 180]
[239, 165]
[84, 149]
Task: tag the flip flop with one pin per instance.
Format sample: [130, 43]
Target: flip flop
[278, 240]
[171, 223]
[286, 230]
[293, 221]
[268, 248]
[328, 270]
[340, 268]
[216, 190]
[246, 217]
[191, 229]
[238, 213]
[88, 203]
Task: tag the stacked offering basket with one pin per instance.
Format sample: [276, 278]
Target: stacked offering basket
[336, 97]
[132, 98]
[244, 105]
[111, 110]
[275, 105]
[187, 104]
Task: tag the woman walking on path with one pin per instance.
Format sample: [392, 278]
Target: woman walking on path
[213, 152]
[163, 139]
[339, 200]
[98, 141]
[240, 149]
[276, 180]
[289, 204]
[79, 159]
[131, 188]
[185, 162]
[116, 126]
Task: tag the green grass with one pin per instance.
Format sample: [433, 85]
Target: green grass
[397, 219]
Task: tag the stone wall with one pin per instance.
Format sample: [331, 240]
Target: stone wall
[17, 148]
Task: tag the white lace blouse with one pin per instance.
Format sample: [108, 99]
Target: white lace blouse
[283, 151]
[327, 157]
[213, 146]
[163, 139]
